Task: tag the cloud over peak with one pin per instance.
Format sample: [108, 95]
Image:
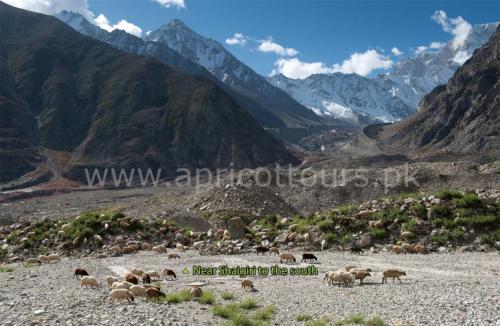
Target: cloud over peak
[103, 22]
[237, 39]
[172, 3]
[270, 46]
[458, 27]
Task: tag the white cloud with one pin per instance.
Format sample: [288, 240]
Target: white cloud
[237, 39]
[364, 63]
[270, 46]
[396, 51]
[124, 25]
[436, 45]
[172, 3]
[421, 49]
[294, 68]
[458, 27]
[51, 7]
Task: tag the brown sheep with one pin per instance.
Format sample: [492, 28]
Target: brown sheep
[274, 250]
[196, 291]
[394, 273]
[131, 278]
[153, 293]
[80, 272]
[146, 279]
[169, 273]
[247, 284]
[261, 250]
[421, 249]
[174, 256]
[119, 294]
[287, 258]
[399, 249]
[360, 275]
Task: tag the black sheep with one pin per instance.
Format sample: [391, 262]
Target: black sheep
[308, 257]
[80, 272]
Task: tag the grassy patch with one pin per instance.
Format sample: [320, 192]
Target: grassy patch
[469, 200]
[379, 233]
[207, 297]
[360, 320]
[6, 269]
[239, 314]
[330, 237]
[303, 317]
[317, 322]
[448, 194]
[264, 314]
[182, 296]
[249, 303]
[227, 295]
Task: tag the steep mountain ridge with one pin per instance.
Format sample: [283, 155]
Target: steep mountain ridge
[461, 116]
[101, 107]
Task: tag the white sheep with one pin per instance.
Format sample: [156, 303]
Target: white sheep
[341, 277]
[120, 294]
[138, 290]
[160, 249]
[111, 279]
[43, 258]
[54, 258]
[89, 281]
[137, 271]
[122, 285]
[154, 274]
[179, 247]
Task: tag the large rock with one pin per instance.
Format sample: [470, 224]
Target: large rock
[236, 227]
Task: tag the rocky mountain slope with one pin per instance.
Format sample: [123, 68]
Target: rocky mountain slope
[461, 116]
[386, 97]
[96, 106]
[270, 106]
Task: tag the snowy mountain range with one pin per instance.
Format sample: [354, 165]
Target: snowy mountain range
[177, 45]
[387, 97]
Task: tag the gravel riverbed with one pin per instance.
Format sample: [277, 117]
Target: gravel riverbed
[440, 289]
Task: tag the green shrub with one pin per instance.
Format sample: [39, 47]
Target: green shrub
[248, 303]
[330, 237]
[375, 321]
[440, 239]
[469, 200]
[303, 317]
[346, 209]
[3, 252]
[227, 295]
[317, 322]
[326, 226]
[379, 233]
[457, 234]
[419, 210]
[6, 269]
[478, 220]
[226, 311]
[448, 194]
[207, 297]
[264, 313]
[441, 211]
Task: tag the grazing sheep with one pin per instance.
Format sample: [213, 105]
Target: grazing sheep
[327, 277]
[89, 281]
[247, 284]
[120, 294]
[174, 256]
[308, 257]
[43, 258]
[356, 250]
[341, 277]
[80, 272]
[160, 249]
[179, 247]
[394, 273]
[115, 250]
[111, 279]
[154, 293]
[154, 275]
[196, 291]
[421, 249]
[129, 250]
[376, 224]
[360, 274]
[409, 248]
[261, 250]
[122, 285]
[137, 271]
[149, 286]
[169, 273]
[399, 249]
[131, 278]
[274, 250]
[147, 246]
[349, 267]
[138, 290]
[54, 258]
[119, 241]
[287, 258]
[34, 261]
[146, 279]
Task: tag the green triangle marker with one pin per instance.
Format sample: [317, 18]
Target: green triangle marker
[185, 270]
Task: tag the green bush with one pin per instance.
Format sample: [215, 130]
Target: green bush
[248, 303]
[469, 200]
[226, 311]
[227, 295]
[379, 233]
[207, 297]
[419, 210]
[326, 226]
[457, 234]
[317, 322]
[448, 194]
[6, 269]
[303, 317]
[264, 313]
[330, 237]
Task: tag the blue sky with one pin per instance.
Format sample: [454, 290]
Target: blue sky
[322, 32]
